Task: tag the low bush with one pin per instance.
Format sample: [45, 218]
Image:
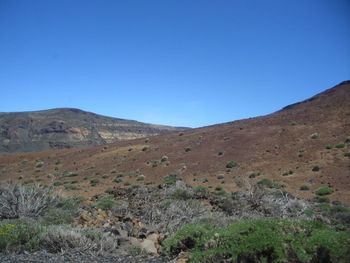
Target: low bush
[17, 201]
[171, 179]
[117, 180]
[65, 238]
[324, 190]
[231, 164]
[18, 235]
[140, 178]
[58, 216]
[316, 168]
[181, 194]
[188, 149]
[71, 187]
[267, 183]
[321, 199]
[94, 182]
[106, 202]
[340, 145]
[283, 241]
[304, 188]
[314, 136]
[201, 191]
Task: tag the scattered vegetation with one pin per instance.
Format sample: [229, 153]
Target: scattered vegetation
[106, 202]
[267, 183]
[314, 136]
[181, 194]
[324, 190]
[231, 164]
[94, 182]
[304, 188]
[188, 149]
[316, 168]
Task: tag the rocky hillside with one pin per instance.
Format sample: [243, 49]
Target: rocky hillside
[299, 149]
[66, 128]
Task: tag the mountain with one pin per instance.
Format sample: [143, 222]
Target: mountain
[66, 128]
[305, 144]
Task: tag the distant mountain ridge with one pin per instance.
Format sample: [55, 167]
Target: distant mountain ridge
[60, 128]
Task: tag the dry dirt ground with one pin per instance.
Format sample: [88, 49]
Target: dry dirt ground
[283, 147]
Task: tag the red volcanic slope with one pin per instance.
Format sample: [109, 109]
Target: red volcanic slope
[279, 147]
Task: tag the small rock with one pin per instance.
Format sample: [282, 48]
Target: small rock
[149, 247]
[183, 257]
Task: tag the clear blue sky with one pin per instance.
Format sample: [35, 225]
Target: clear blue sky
[175, 62]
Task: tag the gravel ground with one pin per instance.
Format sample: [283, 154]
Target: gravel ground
[44, 257]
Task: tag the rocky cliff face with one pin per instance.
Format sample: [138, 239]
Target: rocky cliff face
[67, 128]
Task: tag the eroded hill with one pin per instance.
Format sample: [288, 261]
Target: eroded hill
[66, 128]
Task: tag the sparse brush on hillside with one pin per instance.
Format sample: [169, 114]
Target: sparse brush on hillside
[65, 238]
[18, 201]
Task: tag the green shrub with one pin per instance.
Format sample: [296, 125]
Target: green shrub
[104, 176]
[28, 181]
[136, 251]
[201, 191]
[94, 182]
[347, 154]
[261, 240]
[39, 164]
[329, 146]
[140, 178]
[70, 174]
[267, 183]
[106, 203]
[218, 188]
[220, 176]
[340, 145]
[254, 174]
[181, 194]
[314, 136]
[127, 183]
[145, 148]
[288, 173]
[71, 187]
[324, 190]
[321, 199]
[171, 179]
[231, 164]
[57, 216]
[109, 190]
[19, 235]
[304, 188]
[316, 168]
[164, 159]
[117, 180]
[188, 149]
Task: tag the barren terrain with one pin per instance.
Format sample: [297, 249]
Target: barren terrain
[303, 144]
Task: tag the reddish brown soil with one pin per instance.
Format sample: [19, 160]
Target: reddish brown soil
[270, 145]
